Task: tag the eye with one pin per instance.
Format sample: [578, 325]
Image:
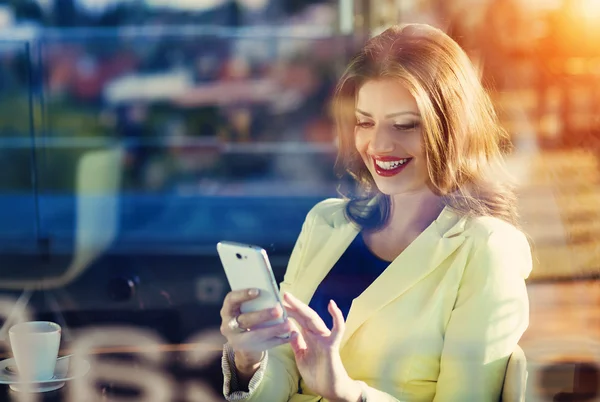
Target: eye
[364, 124]
[407, 127]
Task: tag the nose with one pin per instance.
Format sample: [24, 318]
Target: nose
[380, 142]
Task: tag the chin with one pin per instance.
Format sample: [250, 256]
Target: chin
[387, 189]
[400, 187]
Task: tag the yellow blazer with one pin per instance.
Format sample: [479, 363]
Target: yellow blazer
[439, 324]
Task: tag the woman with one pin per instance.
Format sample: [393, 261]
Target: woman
[422, 255]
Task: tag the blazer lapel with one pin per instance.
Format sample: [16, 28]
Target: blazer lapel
[420, 258]
[329, 241]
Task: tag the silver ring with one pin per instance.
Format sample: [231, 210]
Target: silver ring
[235, 326]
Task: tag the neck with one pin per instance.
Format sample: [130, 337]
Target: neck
[414, 212]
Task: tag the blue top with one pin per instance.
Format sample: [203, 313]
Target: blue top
[356, 269]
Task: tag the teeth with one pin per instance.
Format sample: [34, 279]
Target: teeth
[391, 165]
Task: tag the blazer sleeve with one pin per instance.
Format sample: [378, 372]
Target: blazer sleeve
[280, 377]
[489, 317]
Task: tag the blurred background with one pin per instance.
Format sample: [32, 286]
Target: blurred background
[136, 134]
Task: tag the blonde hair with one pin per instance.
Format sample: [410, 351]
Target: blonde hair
[463, 140]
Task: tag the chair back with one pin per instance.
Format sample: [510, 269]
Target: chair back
[97, 187]
[515, 378]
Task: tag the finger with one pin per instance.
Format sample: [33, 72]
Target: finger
[234, 299]
[313, 325]
[297, 340]
[339, 325]
[305, 315]
[274, 342]
[299, 334]
[261, 346]
[256, 339]
[297, 343]
[254, 319]
[305, 322]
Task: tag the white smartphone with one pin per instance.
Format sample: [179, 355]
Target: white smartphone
[247, 266]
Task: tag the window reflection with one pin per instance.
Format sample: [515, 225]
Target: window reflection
[126, 154]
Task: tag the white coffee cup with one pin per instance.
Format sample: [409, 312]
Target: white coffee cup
[35, 349]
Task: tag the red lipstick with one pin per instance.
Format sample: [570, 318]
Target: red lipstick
[393, 168]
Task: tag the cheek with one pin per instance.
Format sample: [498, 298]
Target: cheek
[414, 145]
[419, 152]
[360, 142]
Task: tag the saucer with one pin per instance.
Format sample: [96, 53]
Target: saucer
[63, 372]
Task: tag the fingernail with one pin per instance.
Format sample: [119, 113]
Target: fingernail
[294, 335]
[253, 292]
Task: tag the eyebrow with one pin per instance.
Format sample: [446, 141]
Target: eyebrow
[390, 115]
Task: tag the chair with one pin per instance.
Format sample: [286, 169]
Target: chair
[97, 187]
[515, 378]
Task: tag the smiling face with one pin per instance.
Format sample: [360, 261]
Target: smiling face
[388, 136]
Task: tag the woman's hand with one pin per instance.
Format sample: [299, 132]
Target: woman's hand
[246, 333]
[317, 351]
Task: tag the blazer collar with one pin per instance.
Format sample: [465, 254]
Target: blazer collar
[438, 241]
